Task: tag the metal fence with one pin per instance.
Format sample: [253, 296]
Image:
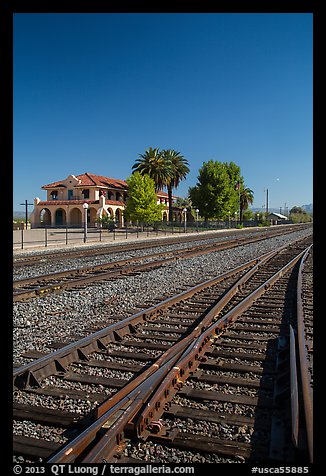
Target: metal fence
[49, 236]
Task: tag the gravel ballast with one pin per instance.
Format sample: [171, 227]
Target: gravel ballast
[71, 314]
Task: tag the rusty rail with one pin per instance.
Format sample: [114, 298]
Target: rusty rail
[307, 390]
[147, 400]
[191, 359]
[32, 373]
[294, 388]
[115, 269]
[58, 255]
[118, 268]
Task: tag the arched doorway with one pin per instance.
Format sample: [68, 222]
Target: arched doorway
[75, 217]
[118, 216]
[110, 213]
[60, 217]
[91, 216]
[45, 217]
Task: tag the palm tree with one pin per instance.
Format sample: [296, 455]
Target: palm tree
[153, 163]
[179, 171]
[246, 199]
[183, 202]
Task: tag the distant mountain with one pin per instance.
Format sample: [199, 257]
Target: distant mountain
[271, 210]
[308, 208]
[19, 215]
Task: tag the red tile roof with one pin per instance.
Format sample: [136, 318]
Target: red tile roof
[90, 180]
[67, 202]
[164, 194]
[80, 202]
[114, 202]
[54, 185]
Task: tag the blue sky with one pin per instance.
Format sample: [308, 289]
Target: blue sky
[93, 91]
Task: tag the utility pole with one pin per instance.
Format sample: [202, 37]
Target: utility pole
[237, 187]
[266, 202]
[239, 206]
[26, 211]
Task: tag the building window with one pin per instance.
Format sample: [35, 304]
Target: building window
[85, 193]
[54, 195]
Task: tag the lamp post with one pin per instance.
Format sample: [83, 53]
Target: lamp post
[236, 217]
[257, 218]
[239, 205]
[197, 211]
[229, 218]
[85, 207]
[185, 219]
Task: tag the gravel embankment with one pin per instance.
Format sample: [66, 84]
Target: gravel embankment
[72, 263]
[69, 315]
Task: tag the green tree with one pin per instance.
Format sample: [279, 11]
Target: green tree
[246, 199]
[107, 222]
[141, 204]
[248, 214]
[179, 171]
[153, 163]
[296, 209]
[299, 215]
[215, 193]
[183, 202]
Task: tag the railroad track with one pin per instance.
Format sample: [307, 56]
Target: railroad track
[38, 286]
[213, 361]
[38, 258]
[303, 353]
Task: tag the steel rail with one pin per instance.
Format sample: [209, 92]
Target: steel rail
[187, 355]
[294, 389]
[117, 248]
[115, 264]
[122, 247]
[191, 358]
[307, 390]
[144, 383]
[176, 255]
[31, 373]
[182, 369]
[114, 418]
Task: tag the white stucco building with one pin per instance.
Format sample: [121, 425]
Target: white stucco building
[65, 199]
